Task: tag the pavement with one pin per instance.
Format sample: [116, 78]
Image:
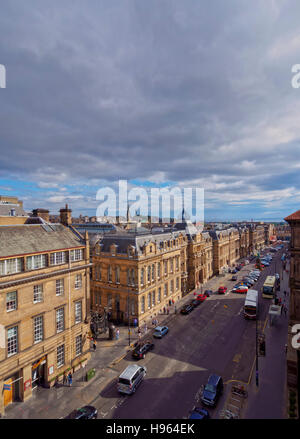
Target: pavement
[59, 401]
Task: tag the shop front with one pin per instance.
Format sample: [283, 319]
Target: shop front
[11, 389]
[38, 372]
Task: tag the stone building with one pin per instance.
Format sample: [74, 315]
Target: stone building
[11, 211]
[283, 232]
[136, 274]
[293, 354]
[45, 303]
[256, 237]
[226, 249]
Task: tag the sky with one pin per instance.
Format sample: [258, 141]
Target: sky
[161, 93]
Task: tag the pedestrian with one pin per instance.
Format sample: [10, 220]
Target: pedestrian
[64, 379]
[168, 311]
[117, 334]
[164, 310]
[94, 345]
[175, 310]
[70, 378]
[153, 322]
[279, 301]
[285, 309]
[145, 328]
[139, 333]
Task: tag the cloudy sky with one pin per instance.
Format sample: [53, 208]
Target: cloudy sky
[159, 92]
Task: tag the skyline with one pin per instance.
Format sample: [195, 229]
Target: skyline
[162, 94]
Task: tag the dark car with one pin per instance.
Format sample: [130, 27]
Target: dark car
[234, 270]
[238, 268]
[142, 348]
[208, 293]
[212, 391]
[199, 413]
[86, 412]
[234, 278]
[195, 303]
[187, 309]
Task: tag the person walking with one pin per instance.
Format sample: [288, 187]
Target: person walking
[117, 334]
[70, 378]
[64, 379]
[285, 309]
[94, 345]
[139, 333]
[284, 293]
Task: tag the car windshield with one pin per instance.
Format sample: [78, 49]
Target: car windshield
[209, 388]
[124, 381]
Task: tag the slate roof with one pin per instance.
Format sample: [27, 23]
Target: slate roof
[135, 239]
[29, 238]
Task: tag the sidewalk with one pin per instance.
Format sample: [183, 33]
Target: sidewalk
[267, 401]
[58, 401]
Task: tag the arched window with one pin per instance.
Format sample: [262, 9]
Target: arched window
[109, 273]
[117, 274]
[142, 276]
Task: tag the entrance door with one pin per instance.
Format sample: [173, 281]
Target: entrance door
[8, 393]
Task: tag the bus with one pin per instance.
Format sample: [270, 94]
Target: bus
[251, 305]
[268, 289]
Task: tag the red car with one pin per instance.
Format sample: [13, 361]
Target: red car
[222, 290]
[240, 289]
[201, 297]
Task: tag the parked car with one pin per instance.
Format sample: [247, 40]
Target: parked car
[222, 290]
[186, 309]
[240, 289]
[234, 278]
[160, 331]
[199, 413]
[86, 412]
[212, 391]
[201, 297]
[248, 280]
[142, 348]
[194, 303]
[234, 271]
[208, 293]
[238, 268]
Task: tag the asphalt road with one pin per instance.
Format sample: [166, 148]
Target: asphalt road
[214, 338]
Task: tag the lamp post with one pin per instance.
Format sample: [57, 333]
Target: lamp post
[256, 350]
[128, 319]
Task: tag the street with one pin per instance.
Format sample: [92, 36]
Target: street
[214, 338]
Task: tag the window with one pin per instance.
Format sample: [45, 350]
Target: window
[143, 305]
[60, 320]
[132, 307]
[59, 287]
[10, 266]
[76, 255]
[166, 267]
[78, 281]
[172, 286]
[132, 277]
[159, 295]
[57, 258]
[165, 290]
[117, 274]
[153, 272]
[158, 270]
[153, 298]
[35, 262]
[38, 329]
[37, 293]
[78, 312]
[109, 274]
[177, 263]
[99, 272]
[149, 300]
[177, 283]
[12, 341]
[149, 274]
[142, 276]
[11, 301]
[60, 355]
[78, 345]
[171, 265]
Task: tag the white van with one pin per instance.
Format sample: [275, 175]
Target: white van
[130, 378]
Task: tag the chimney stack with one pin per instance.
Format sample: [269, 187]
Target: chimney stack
[65, 216]
[42, 213]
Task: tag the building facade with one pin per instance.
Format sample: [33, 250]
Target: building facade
[45, 301]
[293, 353]
[137, 275]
